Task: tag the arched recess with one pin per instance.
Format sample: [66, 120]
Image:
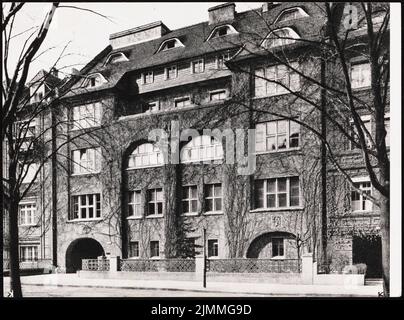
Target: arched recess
[83, 248]
[271, 245]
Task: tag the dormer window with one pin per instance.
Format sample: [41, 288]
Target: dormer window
[291, 14]
[170, 44]
[222, 31]
[94, 80]
[280, 37]
[116, 57]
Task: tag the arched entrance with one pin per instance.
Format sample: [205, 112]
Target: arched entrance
[271, 245]
[83, 248]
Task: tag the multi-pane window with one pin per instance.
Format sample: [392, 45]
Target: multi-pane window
[198, 66]
[86, 116]
[86, 160]
[182, 102]
[360, 75]
[28, 253]
[148, 77]
[189, 199]
[134, 203]
[170, 44]
[275, 80]
[277, 135]
[202, 148]
[281, 37]
[171, 72]
[145, 155]
[94, 81]
[359, 201]
[218, 95]
[368, 125]
[221, 59]
[154, 249]
[86, 207]
[213, 248]
[155, 202]
[134, 249]
[27, 214]
[277, 193]
[213, 197]
[277, 247]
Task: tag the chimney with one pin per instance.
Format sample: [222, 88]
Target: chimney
[136, 35]
[269, 5]
[222, 12]
[54, 72]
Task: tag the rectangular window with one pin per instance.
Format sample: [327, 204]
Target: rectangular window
[154, 249]
[182, 102]
[86, 207]
[276, 80]
[86, 116]
[25, 129]
[171, 72]
[155, 202]
[213, 248]
[277, 135]
[28, 253]
[28, 172]
[277, 247]
[27, 214]
[86, 160]
[134, 249]
[360, 75]
[221, 59]
[134, 204]
[387, 127]
[213, 197]
[153, 106]
[197, 66]
[148, 77]
[277, 193]
[359, 202]
[218, 95]
[189, 199]
[368, 125]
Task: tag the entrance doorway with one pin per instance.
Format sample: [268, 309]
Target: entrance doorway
[368, 250]
[84, 248]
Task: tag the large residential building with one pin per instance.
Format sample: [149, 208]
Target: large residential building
[114, 189]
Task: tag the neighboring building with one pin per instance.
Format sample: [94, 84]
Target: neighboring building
[115, 193]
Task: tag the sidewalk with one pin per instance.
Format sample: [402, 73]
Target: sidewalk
[72, 280]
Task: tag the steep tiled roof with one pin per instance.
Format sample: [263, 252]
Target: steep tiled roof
[252, 26]
[46, 77]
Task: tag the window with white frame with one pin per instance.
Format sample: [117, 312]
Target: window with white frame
[218, 95]
[275, 80]
[291, 14]
[277, 135]
[213, 248]
[221, 59]
[86, 161]
[86, 116]
[28, 252]
[277, 247]
[182, 102]
[86, 207]
[116, 57]
[154, 249]
[134, 249]
[277, 193]
[202, 148]
[189, 199]
[146, 155]
[153, 106]
[171, 72]
[170, 44]
[154, 202]
[94, 80]
[148, 77]
[360, 75]
[197, 66]
[359, 201]
[280, 37]
[27, 211]
[213, 197]
[368, 126]
[134, 204]
[221, 31]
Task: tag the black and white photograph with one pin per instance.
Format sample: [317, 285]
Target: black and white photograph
[201, 150]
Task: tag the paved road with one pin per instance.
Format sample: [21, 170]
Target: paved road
[53, 291]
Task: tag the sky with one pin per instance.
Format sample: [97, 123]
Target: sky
[85, 34]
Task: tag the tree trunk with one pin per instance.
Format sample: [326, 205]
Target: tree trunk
[385, 235]
[14, 254]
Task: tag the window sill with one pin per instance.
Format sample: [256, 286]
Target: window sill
[155, 216]
[134, 218]
[143, 167]
[86, 128]
[278, 258]
[276, 209]
[84, 174]
[362, 211]
[278, 151]
[214, 257]
[212, 213]
[193, 214]
[28, 225]
[84, 220]
[274, 95]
